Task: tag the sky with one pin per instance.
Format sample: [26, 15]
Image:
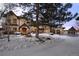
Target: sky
[74, 9]
[18, 11]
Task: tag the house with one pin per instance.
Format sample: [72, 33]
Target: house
[42, 27]
[24, 29]
[24, 25]
[11, 22]
[58, 30]
[21, 24]
[71, 27]
[72, 30]
[33, 29]
[16, 23]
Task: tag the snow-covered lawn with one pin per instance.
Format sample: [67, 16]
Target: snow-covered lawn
[58, 45]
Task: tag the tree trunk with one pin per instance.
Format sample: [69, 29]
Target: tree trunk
[37, 22]
[8, 34]
[8, 28]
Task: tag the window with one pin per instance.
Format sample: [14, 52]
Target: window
[9, 20]
[14, 21]
[24, 29]
[14, 29]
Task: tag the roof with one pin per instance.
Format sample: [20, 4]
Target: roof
[72, 23]
[10, 13]
[18, 11]
[13, 13]
[72, 28]
[24, 25]
[21, 17]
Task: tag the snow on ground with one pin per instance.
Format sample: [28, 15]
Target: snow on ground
[66, 37]
[21, 45]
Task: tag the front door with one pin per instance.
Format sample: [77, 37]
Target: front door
[24, 30]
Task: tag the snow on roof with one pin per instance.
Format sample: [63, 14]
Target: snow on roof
[18, 11]
[72, 23]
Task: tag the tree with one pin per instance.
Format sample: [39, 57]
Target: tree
[53, 14]
[37, 21]
[77, 18]
[7, 7]
[56, 13]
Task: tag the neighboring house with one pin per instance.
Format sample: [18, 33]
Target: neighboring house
[33, 29]
[72, 30]
[71, 27]
[44, 28]
[58, 30]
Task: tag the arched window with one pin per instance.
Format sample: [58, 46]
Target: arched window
[24, 29]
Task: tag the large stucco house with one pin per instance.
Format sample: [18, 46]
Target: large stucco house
[15, 23]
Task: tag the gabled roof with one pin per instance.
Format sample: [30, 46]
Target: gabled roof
[72, 23]
[13, 13]
[18, 11]
[72, 28]
[24, 25]
[10, 13]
